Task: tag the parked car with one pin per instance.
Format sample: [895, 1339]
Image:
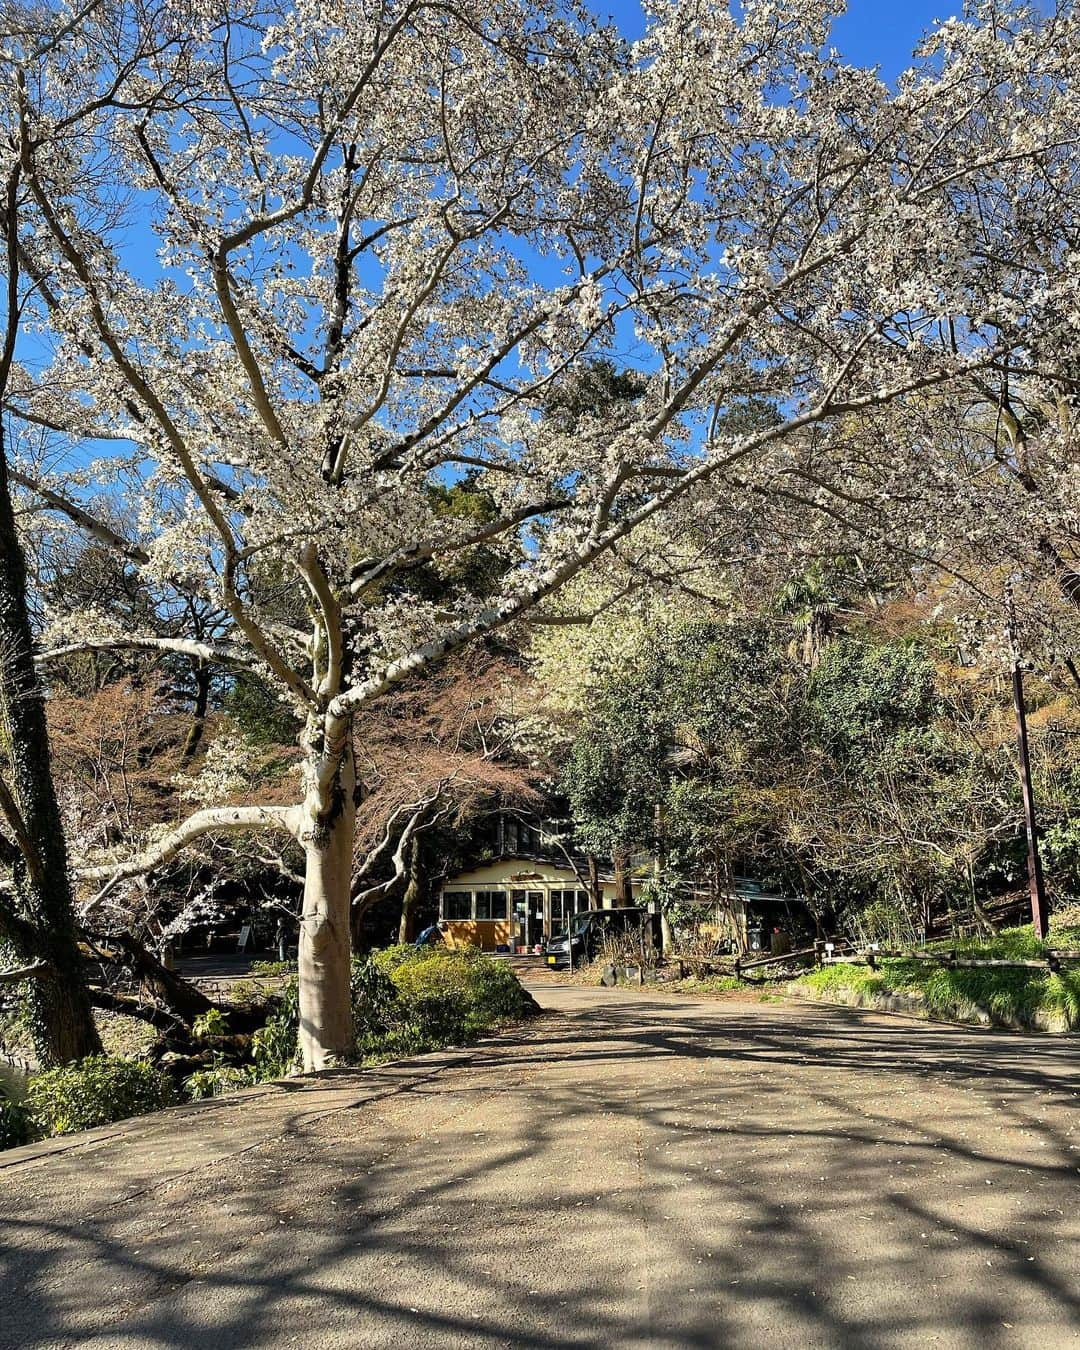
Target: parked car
[588, 931]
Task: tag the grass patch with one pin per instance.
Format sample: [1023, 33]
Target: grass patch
[707, 984]
[1008, 997]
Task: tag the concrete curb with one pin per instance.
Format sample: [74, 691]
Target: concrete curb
[911, 1014]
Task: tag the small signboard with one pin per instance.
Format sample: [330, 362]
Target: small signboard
[244, 938]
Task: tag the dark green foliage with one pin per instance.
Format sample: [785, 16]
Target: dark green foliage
[377, 1014]
[1061, 844]
[404, 1002]
[274, 1051]
[275, 1047]
[495, 995]
[672, 729]
[443, 998]
[853, 768]
[95, 1091]
[15, 1125]
[593, 390]
[863, 693]
[258, 712]
[475, 571]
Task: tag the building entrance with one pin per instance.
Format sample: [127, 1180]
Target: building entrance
[528, 918]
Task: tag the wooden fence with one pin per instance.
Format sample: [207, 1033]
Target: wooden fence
[1054, 960]
[822, 954]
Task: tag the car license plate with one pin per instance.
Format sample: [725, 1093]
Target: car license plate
[551, 960]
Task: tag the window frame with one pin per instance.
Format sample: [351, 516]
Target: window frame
[484, 898]
[449, 896]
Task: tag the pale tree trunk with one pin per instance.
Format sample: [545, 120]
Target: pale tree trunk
[326, 1031]
[667, 937]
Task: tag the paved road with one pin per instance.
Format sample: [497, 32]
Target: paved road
[633, 1170]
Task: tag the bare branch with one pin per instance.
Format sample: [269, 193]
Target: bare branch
[201, 651]
[9, 809]
[211, 820]
[37, 970]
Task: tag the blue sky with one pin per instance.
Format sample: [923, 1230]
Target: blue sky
[872, 32]
[884, 32]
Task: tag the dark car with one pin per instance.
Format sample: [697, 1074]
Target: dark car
[588, 931]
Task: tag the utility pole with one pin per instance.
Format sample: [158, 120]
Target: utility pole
[1040, 912]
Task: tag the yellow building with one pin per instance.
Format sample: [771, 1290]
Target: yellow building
[513, 902]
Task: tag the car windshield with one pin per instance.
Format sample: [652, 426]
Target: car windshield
[579, 923]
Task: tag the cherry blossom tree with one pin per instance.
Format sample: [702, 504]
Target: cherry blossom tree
[291, 271]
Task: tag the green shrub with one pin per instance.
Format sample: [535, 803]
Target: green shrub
[273, 967]
[276, 1044]
[401, 953]
[217, 1079]
[403, 1003]
[95, 1091]
[455, 995]
[209, 1024]
[15, 1125]
[496, 994]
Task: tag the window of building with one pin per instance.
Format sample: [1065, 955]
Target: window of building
[491, 904]
[566, 902]
[457, 905]
[510, 838]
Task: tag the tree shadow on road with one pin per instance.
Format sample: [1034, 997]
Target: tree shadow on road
[647, 1173]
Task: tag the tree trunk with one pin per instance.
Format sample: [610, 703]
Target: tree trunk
[62, 1021]
[926, 906]
[982, 919]
[596, 891]
[198, 715]
[667, 936]
[326, 1031]
[156, 982]
[624, 891]
[411, 897]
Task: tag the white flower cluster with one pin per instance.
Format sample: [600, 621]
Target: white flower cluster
[356, 364]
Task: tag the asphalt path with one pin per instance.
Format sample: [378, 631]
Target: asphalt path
[632, 1169]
